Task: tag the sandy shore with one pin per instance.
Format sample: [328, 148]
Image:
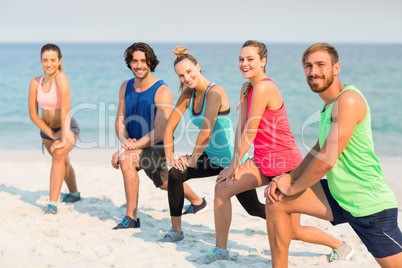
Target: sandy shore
[81, 234]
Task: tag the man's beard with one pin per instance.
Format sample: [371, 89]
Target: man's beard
[317, 88]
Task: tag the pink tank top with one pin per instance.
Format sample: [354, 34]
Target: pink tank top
[51, 99]
[275, 150]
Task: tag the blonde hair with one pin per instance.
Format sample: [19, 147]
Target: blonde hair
[180, 53]
[262, 53]
[245, 94]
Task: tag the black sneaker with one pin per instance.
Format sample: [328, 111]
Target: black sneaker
[191, 209]
[69, 198]
[128, 222]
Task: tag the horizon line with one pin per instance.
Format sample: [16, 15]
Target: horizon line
[199, 42]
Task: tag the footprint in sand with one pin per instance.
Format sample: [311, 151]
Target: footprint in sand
[52, 233]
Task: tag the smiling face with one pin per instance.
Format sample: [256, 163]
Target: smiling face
[320, 71]
[188, 73]
[139, 65]
[50, 62]
[250, 63]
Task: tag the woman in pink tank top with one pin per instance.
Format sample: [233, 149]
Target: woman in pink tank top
[262, 121]
[57, 129]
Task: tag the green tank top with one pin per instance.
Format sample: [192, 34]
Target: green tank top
[356, 181]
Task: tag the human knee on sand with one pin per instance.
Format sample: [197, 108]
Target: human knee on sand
[209, 108]
[210, 112]
[355, 190]
[145, 104]
[262, 121]
[144, 147]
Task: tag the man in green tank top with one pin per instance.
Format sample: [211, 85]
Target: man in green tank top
[355, 190]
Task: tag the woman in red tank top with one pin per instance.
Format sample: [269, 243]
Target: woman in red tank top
[262, 121]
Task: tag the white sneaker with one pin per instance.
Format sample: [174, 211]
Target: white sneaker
[214, 255]
[345, 253]
[172, 236]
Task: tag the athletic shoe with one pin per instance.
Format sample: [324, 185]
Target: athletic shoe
[343, 253]
[214, 255]
[127, 222]
[172, 236]
[50, 209]
[191, 209]
[69, 198]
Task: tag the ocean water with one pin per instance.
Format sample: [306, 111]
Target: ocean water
[96, 71]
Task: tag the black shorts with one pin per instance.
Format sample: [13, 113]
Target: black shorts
[73, 127]
[153, 162]
[379, 232]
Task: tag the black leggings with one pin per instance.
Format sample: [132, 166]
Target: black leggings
[204, 168]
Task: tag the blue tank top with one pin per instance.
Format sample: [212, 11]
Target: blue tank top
[221, 146]
[140, 109]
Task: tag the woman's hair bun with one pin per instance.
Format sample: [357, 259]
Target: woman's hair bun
[179, 51]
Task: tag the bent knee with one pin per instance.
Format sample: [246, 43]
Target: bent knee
[176, 175]
[129, 161]
[58, 155]
[271, 208]
[222, 192]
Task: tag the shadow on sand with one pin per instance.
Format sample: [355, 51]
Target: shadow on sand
[198, 237]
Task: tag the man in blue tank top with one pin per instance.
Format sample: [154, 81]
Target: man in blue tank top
[145, 104]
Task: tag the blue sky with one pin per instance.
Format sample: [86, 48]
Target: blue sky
[294, 21]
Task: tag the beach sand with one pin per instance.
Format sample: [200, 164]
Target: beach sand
[81, 234]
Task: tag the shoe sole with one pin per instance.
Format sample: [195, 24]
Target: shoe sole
[72, 202]
[173, 242]
[203, 210]
[50, 213]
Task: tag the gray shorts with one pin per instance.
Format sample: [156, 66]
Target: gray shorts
[73, 127]
[153, 162]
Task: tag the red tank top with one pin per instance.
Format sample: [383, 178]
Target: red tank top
[275, 150]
